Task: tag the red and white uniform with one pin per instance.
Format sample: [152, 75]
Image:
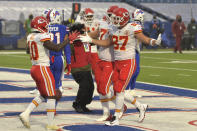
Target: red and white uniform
[93, 51]
[104, 68]
[40, 70]
[124, 53]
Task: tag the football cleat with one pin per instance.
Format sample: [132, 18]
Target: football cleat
[142, 112]
[35, 91]
[114, 121]
[53, 127]
[105, 118]
[25, 119]
[123, 110]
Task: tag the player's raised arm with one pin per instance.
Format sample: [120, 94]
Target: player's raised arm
[54, 47]
[88, 39]
[147, 40]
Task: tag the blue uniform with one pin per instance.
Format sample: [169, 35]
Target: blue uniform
[58, 33]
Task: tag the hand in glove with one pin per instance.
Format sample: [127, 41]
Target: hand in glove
[85, 38]
[158, 41]
[74, 35]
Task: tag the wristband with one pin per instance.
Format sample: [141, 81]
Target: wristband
[151, 42]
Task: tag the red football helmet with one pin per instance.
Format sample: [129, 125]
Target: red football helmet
[121, 17]
[110, 12]
[88, 15]
[40, 24]
[111, 9]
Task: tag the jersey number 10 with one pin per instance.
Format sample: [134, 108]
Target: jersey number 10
[33, 50]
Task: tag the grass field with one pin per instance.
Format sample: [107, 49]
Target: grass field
[159, 67]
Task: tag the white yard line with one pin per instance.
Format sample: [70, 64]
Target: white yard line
[165, 52]
[12, 55]
[166, 85]
[154, 75]
[184, 75]
[159, 58]
[166, 68]
[13, 68]
[9, 53]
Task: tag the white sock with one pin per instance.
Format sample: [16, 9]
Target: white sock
[129, 97]
[119, 103]
[50, 108]
[35, 103]
[105, 104]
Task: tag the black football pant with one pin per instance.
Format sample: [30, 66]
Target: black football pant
[86, 87]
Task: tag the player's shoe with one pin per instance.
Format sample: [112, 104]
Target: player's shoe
[142, 111]
[105, 118]
[35, 91]
[53, 127]
[25, 119]
[61, 89]
[123, 110]
[114, 121]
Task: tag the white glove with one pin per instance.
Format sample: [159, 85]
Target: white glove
[85, 38]
[158, 41]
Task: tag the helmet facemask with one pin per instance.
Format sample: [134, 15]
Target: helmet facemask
[89, 18]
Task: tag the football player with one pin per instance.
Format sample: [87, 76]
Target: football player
[44, 14]
[91, 25]
[104, 67]
[138, 18]
[40, 43]
[124, 40]
[58, 33]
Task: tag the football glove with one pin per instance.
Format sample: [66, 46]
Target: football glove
[72, 36]
[85, 38]
[158, 41]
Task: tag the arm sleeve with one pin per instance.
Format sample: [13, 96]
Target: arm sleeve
[137, 29]
[51, 46]
[67, 53]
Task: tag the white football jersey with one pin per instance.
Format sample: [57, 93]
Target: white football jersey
[125, 42]
[38, 53]
[105, 53]
[92, 27]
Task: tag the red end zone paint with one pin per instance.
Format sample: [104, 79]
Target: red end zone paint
[194, 123]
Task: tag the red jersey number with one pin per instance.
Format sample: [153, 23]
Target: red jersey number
[116, 39]
[103, 32]
[33, 50]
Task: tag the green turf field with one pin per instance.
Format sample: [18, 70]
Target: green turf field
[165, 68]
